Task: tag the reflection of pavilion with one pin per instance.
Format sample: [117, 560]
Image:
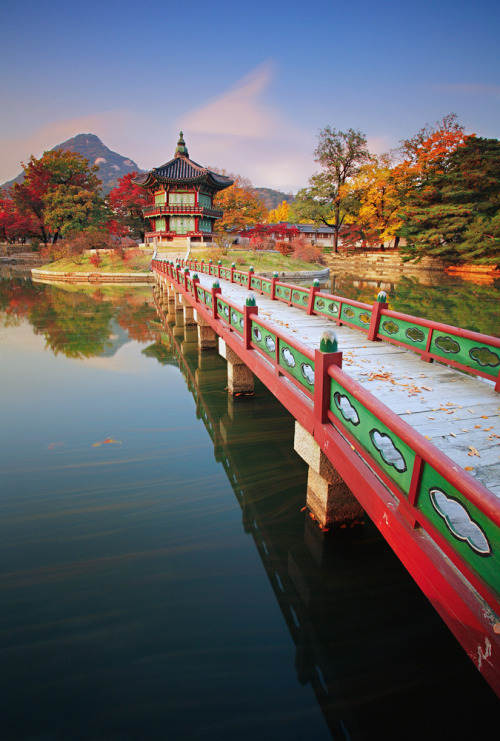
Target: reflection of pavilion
[366, 639]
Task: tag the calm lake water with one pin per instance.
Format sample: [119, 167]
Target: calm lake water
[158, 579]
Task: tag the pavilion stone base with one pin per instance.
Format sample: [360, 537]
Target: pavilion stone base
[328, 497]
[239, 377]
[207, 337]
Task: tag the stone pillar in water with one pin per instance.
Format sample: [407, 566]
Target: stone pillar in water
[207, 337]
[239, 376]
[328, 496]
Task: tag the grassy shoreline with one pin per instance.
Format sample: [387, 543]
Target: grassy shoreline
[261, 262]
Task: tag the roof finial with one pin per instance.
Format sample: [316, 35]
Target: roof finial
[181, 150]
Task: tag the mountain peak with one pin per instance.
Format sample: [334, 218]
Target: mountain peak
[111, 164]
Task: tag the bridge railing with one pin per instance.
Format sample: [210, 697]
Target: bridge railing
[463, 349]
[460, 515]
[432, 492]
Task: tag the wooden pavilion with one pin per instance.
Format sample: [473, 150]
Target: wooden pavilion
[182, 193]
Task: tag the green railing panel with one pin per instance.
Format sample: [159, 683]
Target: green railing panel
[300, 296]
[355, 315]
[237, 320]
[255, 282]
[266, 287]
[326, 306]
[474, 355]
[380, 442]
[264, 339]
[297, 364]
[208, 298]
[283, 292]
[469, 531]
[398, 329]
[223, 309]
[201, 294]
[225, 273]
[240, 277]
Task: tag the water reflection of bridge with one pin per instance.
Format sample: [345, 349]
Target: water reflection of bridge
[364, 634]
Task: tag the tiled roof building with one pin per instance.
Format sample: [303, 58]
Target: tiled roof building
[182, 194]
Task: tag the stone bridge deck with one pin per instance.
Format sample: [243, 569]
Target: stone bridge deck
[459, 414]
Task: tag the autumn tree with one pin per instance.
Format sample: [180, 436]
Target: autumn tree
[280, 213]
[380, 194]
[50, 181]
[242, 208]
[127, 201]
[14, 224]
[453, 211]
[340, 154]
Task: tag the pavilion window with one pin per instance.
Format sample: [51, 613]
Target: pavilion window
[182, 224]
[205, 225]
[205, 200]
[181, 199]
[160, 199]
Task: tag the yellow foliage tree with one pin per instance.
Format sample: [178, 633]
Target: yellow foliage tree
[280, 213]
[241, 206]
[379, 190]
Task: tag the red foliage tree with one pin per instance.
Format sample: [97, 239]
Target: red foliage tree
[127, 201]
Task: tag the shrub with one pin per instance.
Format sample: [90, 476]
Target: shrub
[302, 249]
[284, 247]
[96, 259]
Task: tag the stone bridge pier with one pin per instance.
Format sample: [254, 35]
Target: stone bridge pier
[328, 496]
[239, 377]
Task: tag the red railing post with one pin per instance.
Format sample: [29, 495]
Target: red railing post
[247, 324]
[249, 280]
[322, 382]
[273, 286]
[313, 290]
[233, 265]
[219, 268]
[215, 291]
[426, 356]
[195, 281]
[378, 305]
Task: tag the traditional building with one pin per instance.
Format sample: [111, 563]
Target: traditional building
[182, 194]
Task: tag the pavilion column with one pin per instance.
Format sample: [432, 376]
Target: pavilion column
[328, 496]
[207, 337]
[239, 377]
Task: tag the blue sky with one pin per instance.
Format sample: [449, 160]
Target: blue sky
[249, 83]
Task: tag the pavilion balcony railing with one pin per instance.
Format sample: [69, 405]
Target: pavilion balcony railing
[165, 235]
[191, 210]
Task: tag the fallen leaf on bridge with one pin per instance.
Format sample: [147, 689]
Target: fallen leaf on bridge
[473, 451]
[468, 468]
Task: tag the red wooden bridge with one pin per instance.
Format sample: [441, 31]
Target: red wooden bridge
[416, 444]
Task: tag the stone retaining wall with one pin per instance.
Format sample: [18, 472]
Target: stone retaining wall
[380, 263]
[60, 277]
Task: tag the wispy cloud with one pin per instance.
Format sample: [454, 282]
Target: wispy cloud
[244, 134]
[471, 89]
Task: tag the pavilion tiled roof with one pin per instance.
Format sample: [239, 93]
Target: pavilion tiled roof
[183, 169]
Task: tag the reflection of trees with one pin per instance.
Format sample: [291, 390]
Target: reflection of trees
[73, 324]
[18, 296]
[78, 322]
[450, 301]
